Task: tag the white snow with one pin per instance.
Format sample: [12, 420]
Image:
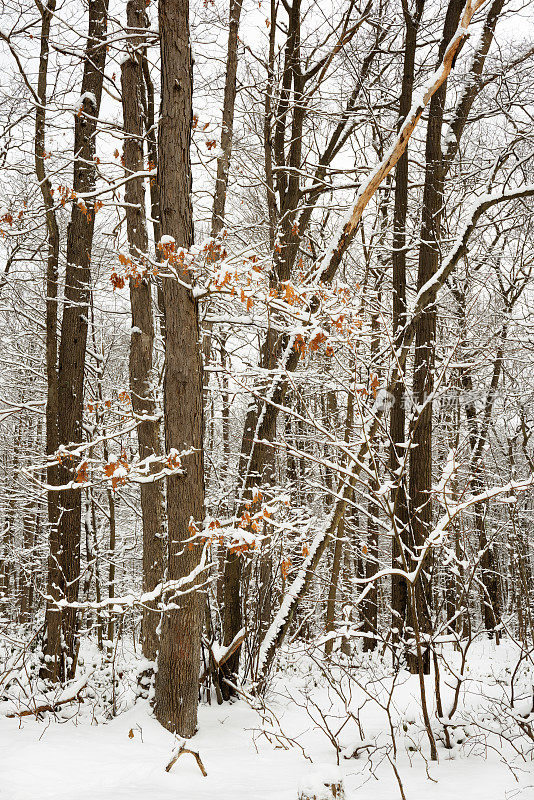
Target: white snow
[125, 759]
[88, 96]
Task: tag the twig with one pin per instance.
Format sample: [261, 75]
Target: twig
[184, 749]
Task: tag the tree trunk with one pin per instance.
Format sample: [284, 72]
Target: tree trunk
[52, 268]
[332, 589]
[425, 341]
[177, 678]
[61, 645]
[397, 427]
[142, 334]
[223, 162]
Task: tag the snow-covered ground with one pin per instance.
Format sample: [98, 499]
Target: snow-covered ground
[125, 758]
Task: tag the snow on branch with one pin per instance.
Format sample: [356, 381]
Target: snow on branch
[422, 97]
[427, 294]
[174, 588]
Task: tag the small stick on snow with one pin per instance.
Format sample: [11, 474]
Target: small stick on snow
[184, 749]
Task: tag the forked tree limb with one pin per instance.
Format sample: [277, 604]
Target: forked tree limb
[234, 645]
[183, 749]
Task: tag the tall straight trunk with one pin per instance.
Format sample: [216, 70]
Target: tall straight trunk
[30, 526]
[9, 560]
[425, 340]
[225, 396]
[340, 537]
[61, 644]
[142, 335]
[332, 588]
[149, 120]
[232, 568]
[455, 599]
[111, 552]
[98, 587]
[177, 678]
[437, 164]
[330, 411]
[478, 435]
[397, 426]
[492, 602]
[92, 569]
[225, 424]
[230, 87]
[51, 284]
[100, 424]
[369, 610]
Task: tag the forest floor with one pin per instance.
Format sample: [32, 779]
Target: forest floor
[124, 759]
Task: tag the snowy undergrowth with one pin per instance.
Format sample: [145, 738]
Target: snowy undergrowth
[107, 682]
[317, 714]
[366, 711]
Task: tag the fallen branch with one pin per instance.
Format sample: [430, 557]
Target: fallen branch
[184, 749]
[49, 706]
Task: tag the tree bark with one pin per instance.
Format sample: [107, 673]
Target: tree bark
[142, 334]
[230, 90]
[51, 284]
[332, 588]
[425, 342]
[397, 426]
[61, 645]
[177, 678]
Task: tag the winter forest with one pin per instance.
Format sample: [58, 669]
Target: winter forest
[266, 399]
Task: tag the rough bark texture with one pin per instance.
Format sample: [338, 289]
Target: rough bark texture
[397, 427]
[177, 678]
[142, 336]
[425, 337]
[223, 162]
[52, 269]
[436, 166]
[61, 649]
